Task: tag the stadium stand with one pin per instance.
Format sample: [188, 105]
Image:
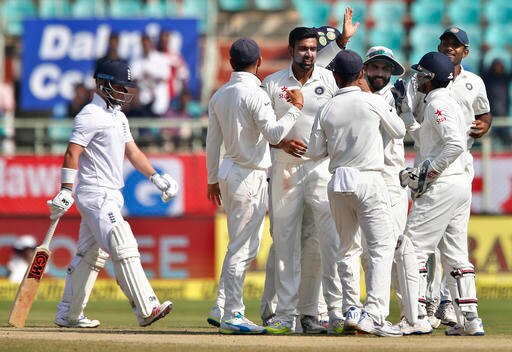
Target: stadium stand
[463, 12]
[427, 12]
[125, 8]
[269, 5]
[160, 8]
[13, 12]
[89, 8]
[312, 13]
[233, 5]
[54, 8]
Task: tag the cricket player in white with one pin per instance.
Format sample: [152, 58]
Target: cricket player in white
[347, 129]
[298, 184]
[99, 142]
[330, 42]
[469, 91]
[441, 208]
[241, 117]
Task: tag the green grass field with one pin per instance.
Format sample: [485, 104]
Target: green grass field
[186, 329]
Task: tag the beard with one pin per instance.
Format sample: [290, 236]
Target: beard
[377, 82]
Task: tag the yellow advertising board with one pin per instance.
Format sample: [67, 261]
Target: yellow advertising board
[490, 245]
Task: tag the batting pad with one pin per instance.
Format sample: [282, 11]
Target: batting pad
[408, 277]
[129, 272]
[82, 278]
[466, 287]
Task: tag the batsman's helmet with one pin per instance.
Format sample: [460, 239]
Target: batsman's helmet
[115, 72]
[326, 35]
[435, 65]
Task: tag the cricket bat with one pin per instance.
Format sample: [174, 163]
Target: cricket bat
[28, 288]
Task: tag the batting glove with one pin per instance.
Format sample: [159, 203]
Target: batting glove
[165, 184]
[61, 203]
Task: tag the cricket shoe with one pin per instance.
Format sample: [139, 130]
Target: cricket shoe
[473, 327]
[352, 317]
[279, 327]
[431, 310]
[323, 319]
[310, 325]
[238, 324]
[215, 317]
[446, 313]
[368, 325]
[421, 327]
[82, 322]
[158, 313]
[336, 326]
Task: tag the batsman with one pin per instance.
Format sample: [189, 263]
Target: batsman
[100, 141]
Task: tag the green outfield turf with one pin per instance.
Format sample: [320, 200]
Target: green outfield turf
[188, 320]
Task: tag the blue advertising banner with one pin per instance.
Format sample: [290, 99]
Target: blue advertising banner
[57, 54]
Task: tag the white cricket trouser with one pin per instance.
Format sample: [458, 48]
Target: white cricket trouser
[297, 189]
[369, 209]
[439, 219]
[244, 196]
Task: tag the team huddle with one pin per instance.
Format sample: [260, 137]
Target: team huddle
[328, 133]
[320, 146]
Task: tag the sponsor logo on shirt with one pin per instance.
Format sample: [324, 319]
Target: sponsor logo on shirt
[469, 86]
[282, 95]
[440, 118]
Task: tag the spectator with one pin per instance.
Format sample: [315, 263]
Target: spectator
[23, 250]
[179, 72]
[81, 98]
[152, 73]
[112, 50]
[7, 106]
[497, 82]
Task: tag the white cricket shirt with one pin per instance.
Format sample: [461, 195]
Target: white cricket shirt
[241, 116]
[319, 88]
[347, 128]
[442, 135]
[394, 153]
[103, 132]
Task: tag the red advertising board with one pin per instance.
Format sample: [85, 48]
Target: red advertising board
[177, 248]
[27, 182]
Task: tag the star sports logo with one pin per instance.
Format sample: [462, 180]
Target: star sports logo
[283, 93]
[440, 118]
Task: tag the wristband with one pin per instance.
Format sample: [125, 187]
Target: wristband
[68, 175]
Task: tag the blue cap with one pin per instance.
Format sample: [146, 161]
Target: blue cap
[244, 51]
[458, 33]
[115, 71]
[437, 63]
[347, 62]
[326, 35]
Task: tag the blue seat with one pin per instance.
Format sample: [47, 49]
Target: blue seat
[312, 13]
[233, 5]
[358, 42]
[159, 8]
[498, 35]
[498, 54]
[358, 11]
[197, 9]
[54, 8]
[269, 5]
[125, 8]
[389, 36]
[385, 12]
[425, 38]
[498, 11]
[13, 13]
[88, 8]
[427, 11]
[463, 12]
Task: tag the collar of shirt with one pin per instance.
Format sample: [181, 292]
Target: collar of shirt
[241, 76]
[97, 100]
[436, 93]
[315, 76]
[461, 75]
[348, 90]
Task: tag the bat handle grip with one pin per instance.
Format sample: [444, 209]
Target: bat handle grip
[49, 233]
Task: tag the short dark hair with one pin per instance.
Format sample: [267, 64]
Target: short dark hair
[238, 67]
[348, 77]
[300, 33]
